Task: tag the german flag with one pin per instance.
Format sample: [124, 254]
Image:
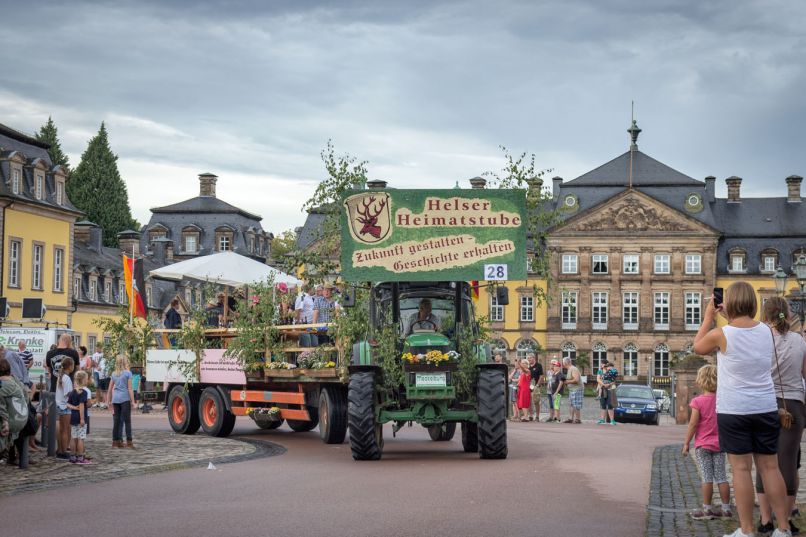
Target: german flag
[135, 285]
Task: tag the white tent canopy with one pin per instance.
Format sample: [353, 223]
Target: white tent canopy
[224, 268]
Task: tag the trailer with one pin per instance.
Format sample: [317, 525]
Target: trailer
[220, 390]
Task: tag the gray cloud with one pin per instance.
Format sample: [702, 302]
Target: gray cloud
[425, 91]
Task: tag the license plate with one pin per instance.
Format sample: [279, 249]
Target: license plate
[633, 411]
[429, 379]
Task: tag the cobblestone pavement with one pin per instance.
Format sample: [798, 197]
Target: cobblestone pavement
[675, 490]
[156, 451]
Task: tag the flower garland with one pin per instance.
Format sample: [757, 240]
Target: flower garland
[434, 357]
[272, 412]
[281, 365]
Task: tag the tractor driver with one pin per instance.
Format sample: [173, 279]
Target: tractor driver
[425, 320]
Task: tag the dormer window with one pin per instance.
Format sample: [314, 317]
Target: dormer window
[59, 193]
[251, 244]
[191, 243]
[738, 261]
[93, 290]
[769, 260]
[122, 297]
[108, 291]
[77, 287]
[223, 239]
[39, 186]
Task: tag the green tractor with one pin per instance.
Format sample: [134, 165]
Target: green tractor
[428, 317]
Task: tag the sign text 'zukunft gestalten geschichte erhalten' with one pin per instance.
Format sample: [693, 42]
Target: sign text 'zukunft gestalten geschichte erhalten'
[431, 235]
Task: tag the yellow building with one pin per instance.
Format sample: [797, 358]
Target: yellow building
[37, 227]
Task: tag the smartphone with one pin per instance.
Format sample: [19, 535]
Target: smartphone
[719, 294]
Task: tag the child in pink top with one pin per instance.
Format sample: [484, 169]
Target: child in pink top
[710, 458]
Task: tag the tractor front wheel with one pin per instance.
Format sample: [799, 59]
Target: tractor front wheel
[492, 410]
[443, 432]
[470, 437]
[366, 434]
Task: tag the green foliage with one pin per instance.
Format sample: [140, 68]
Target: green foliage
[582, 361]
[133, 340]
[470, 346]
[343, 173]
[96, 188]
[351, 326]
[283, 245]
[192, 337]
[386, 352]
[49, 134]
[522, 172]
[257, 339]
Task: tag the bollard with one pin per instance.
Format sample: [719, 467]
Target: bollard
[50, 407]
[23, 453]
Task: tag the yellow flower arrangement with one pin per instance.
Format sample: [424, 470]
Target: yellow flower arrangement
[330, 364]
[410, 358]
[435, 357]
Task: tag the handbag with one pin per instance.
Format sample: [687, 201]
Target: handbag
[784, 415]
[30, 425]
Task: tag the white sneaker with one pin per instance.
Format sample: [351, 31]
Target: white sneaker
[781, 533]
[739, 533]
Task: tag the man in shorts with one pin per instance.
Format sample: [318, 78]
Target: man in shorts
[573, 379]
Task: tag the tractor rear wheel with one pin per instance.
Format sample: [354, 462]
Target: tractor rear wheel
[443, 432]
[183, 410]
[470, 437]
[492, 410]
[332, 415]
[366, 434]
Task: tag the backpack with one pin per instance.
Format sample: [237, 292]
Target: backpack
[17, 412]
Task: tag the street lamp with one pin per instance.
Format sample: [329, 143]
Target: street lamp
[799, 271]
[780, 280]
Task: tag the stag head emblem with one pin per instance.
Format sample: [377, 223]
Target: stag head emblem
[369, 215]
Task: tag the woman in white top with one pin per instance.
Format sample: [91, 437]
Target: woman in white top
[787, 375]
[747, 413]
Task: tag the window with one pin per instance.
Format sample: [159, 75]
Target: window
[59, 193]
[524, 348]
[77, 287]
[630, 360]
[496, 310]
[252, 244]
[768, 263]
[570, 263]
[189, 296]
[36, 275]
[630, 312]
[631, 264]
[108, 290]
[661, 361]
[190, 243]
[224, 243]
[91, 344]
[530, 259]
[58, 269]
[122, 297]
[600, 264]
[498, 345]
[148, 296]
[661, 311]
[569, 310]
[568, 350]
[154, 235]
[38, 186]
[599, 303]
[693, 264]
[14, 249]
[662, 264]
[737, 262]
[76, 340]
[693, 311]
[92, 293]
[15, 181]
[527, 309]
[107, 340]
[599, 352]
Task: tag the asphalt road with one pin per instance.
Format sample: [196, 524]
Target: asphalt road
[558, 480]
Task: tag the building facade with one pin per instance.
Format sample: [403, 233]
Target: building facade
[36, 229]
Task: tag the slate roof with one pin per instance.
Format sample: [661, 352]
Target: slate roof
[309, 232]
[646, 171]
[205, 204]
[11, 142]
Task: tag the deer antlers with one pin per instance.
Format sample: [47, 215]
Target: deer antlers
[368, 218]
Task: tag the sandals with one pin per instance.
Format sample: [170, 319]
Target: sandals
[569, 420]
[577, 421]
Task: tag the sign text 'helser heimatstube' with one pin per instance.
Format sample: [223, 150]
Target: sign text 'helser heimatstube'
[423, 235]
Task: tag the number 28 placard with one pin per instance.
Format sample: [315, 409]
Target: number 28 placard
[495, 272]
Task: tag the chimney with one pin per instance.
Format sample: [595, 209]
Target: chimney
[710, 189]
[96, 238]
[535, 184]
[158, 248]
[207, 184]
[478, 183]
[169, 250]
[556, 185]
[376, 184]
[734, 189]
[129, 242]
[81, 231]
[793, 187]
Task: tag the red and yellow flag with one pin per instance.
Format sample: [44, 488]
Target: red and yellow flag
[135, 285]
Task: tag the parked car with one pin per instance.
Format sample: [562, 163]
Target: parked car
[636, 402]
[663, 400]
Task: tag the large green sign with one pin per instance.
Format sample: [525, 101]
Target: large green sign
[433, 235]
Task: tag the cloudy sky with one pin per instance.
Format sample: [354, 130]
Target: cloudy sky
[425, 91]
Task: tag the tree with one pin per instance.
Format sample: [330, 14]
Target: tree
[283, 244]
[96, 188]
[49, 134]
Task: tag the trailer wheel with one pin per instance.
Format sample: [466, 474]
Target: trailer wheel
[299, 426]
[332, 415]
[268, 425]
[366, 434]
[443, 432]
[215, 419]
[492, 410]
[470, 437]
[183, 410]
